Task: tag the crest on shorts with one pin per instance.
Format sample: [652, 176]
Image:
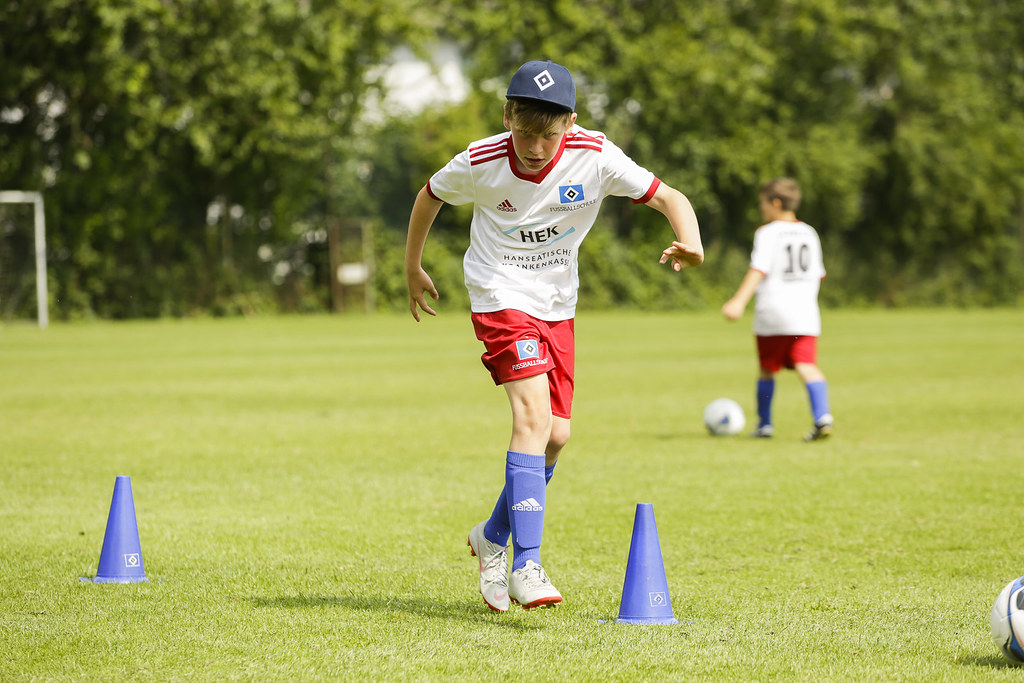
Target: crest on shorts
[527, 348]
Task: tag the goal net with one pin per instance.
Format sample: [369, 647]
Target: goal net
[23, 256]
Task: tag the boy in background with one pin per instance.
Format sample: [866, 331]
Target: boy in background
[536, 191]
[786, 270]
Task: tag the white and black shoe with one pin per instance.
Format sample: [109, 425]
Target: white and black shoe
[823, 429]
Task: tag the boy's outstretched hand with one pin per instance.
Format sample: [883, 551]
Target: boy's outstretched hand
[682, 256]
[419, 283]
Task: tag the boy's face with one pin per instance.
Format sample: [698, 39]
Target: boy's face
[535, 151]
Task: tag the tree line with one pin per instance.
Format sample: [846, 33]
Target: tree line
[196, 155]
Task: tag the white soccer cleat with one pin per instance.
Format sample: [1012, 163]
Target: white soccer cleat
[493, 568]
[531, 587]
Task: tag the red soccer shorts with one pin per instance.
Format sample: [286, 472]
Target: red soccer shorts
[520, 346]
[785, 351]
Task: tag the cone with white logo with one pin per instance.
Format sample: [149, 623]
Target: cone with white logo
[645, 596]
[121, 556]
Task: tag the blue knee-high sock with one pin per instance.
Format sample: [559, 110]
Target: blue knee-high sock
[818, 393]
[525, 491]
[765, 392]
[499, 526]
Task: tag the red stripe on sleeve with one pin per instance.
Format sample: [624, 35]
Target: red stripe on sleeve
[650, 192]
[431, 193]
[483, 160]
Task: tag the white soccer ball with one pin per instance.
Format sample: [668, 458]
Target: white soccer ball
[724, 417]
[1007, 621]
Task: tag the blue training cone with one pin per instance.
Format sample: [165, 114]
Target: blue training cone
[645, 597]
[121, 556]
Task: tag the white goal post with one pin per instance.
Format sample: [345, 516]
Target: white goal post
[35, 198]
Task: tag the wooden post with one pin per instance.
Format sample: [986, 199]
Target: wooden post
[334, 257]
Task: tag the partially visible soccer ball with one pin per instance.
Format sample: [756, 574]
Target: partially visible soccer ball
[1007, 621]
[724, 417]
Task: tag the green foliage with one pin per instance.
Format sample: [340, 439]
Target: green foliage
[176, 142]
[901, 121]
[136, 118]
[400, 154]
[442, 260]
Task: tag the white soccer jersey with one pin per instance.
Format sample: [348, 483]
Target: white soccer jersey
[789, 255]
[526, 230]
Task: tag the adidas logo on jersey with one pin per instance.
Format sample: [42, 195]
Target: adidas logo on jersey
[528, 505]
[507, 206]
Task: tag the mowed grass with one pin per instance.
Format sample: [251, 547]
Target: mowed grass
[303, 489]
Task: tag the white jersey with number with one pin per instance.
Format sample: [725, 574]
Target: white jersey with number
[789, 255]
[526, 230]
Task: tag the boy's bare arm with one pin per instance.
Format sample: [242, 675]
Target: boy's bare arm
[424, 211]
[734, 307]
[687, 250]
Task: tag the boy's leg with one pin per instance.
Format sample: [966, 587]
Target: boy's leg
[524, 465]
[511, 338]
[499, 526]
[525, 489]
[817, 394]
[523, 499]
[525, 493]
[765, 394]
[489, 539]
[771, 354]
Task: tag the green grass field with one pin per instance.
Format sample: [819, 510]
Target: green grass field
[303, 489]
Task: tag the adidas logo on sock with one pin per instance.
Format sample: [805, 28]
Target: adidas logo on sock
[528, 505]
[507, 206]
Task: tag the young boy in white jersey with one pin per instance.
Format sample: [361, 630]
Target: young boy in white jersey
[786, 270]
[536, 191]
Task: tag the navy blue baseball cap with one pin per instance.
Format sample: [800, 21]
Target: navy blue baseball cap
[546, 82]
